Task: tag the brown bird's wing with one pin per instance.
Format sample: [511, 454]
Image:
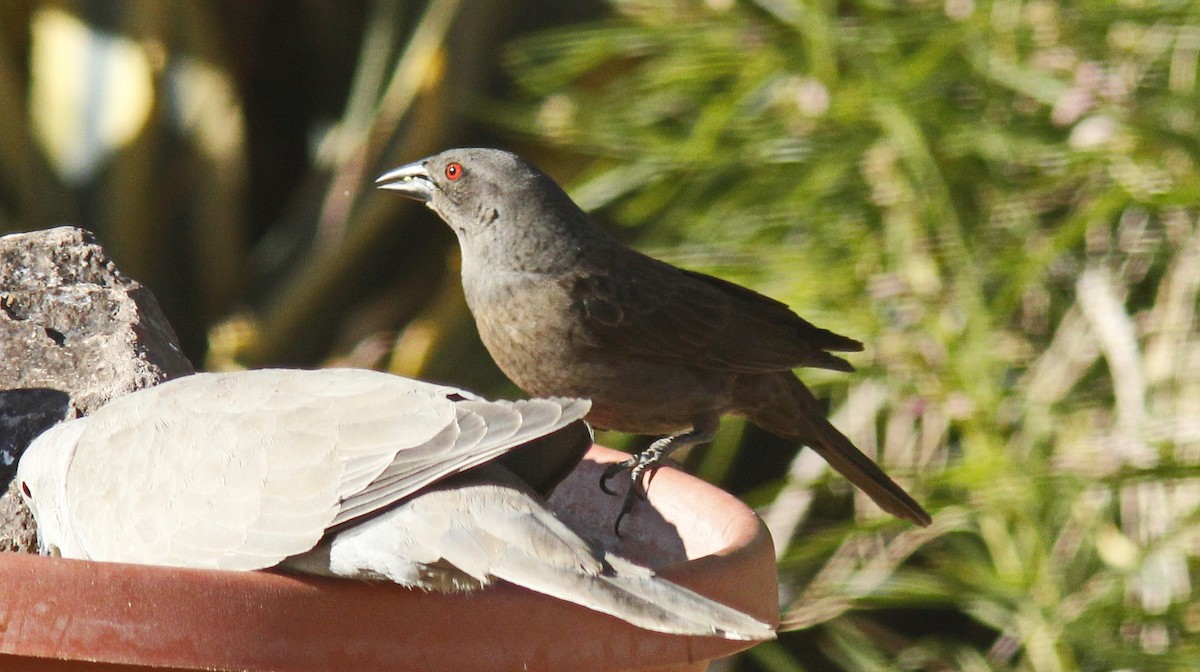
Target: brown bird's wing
[644, 307]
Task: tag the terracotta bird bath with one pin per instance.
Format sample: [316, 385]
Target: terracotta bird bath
[68, 615]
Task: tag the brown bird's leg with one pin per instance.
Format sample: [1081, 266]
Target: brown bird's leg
[641, 465]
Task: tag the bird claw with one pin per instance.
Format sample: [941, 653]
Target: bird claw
[613, 470]
[641, 468]
[626, 507]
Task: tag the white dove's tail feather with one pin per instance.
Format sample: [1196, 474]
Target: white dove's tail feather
[487, 525]
[632, 593]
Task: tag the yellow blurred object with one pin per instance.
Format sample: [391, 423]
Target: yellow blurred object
[228, 340]
[1116, 549]
[419, 341]
[91, 92]
[208, 104]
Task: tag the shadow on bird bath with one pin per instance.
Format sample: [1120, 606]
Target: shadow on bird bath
[647, 537]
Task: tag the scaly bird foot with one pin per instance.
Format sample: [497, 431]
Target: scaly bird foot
[641, 467]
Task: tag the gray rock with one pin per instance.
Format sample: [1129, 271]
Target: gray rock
[74, 334]
[18, 532]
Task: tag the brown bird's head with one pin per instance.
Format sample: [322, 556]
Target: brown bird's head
[505, 212]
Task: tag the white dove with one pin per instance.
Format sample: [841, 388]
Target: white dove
[348, 473]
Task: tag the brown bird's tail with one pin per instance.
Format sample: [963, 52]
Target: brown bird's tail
[781, 404]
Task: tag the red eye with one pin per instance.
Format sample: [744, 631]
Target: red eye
[25, 489]
[454, 171]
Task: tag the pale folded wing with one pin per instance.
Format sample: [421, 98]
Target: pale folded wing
[242, 470]
[487, 430]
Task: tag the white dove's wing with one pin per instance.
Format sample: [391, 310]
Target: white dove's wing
[487, 525]
[485, 430]
[241, 470]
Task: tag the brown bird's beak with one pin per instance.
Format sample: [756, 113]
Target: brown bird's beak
[411, 180]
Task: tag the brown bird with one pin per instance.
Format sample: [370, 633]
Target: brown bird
[566, 310]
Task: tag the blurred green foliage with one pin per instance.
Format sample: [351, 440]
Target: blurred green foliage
[999, 197]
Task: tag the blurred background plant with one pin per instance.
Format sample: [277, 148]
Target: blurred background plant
[999, 197]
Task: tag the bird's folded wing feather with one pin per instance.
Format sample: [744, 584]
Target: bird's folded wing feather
[485, 430]
[664, 312]
[239, 471]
